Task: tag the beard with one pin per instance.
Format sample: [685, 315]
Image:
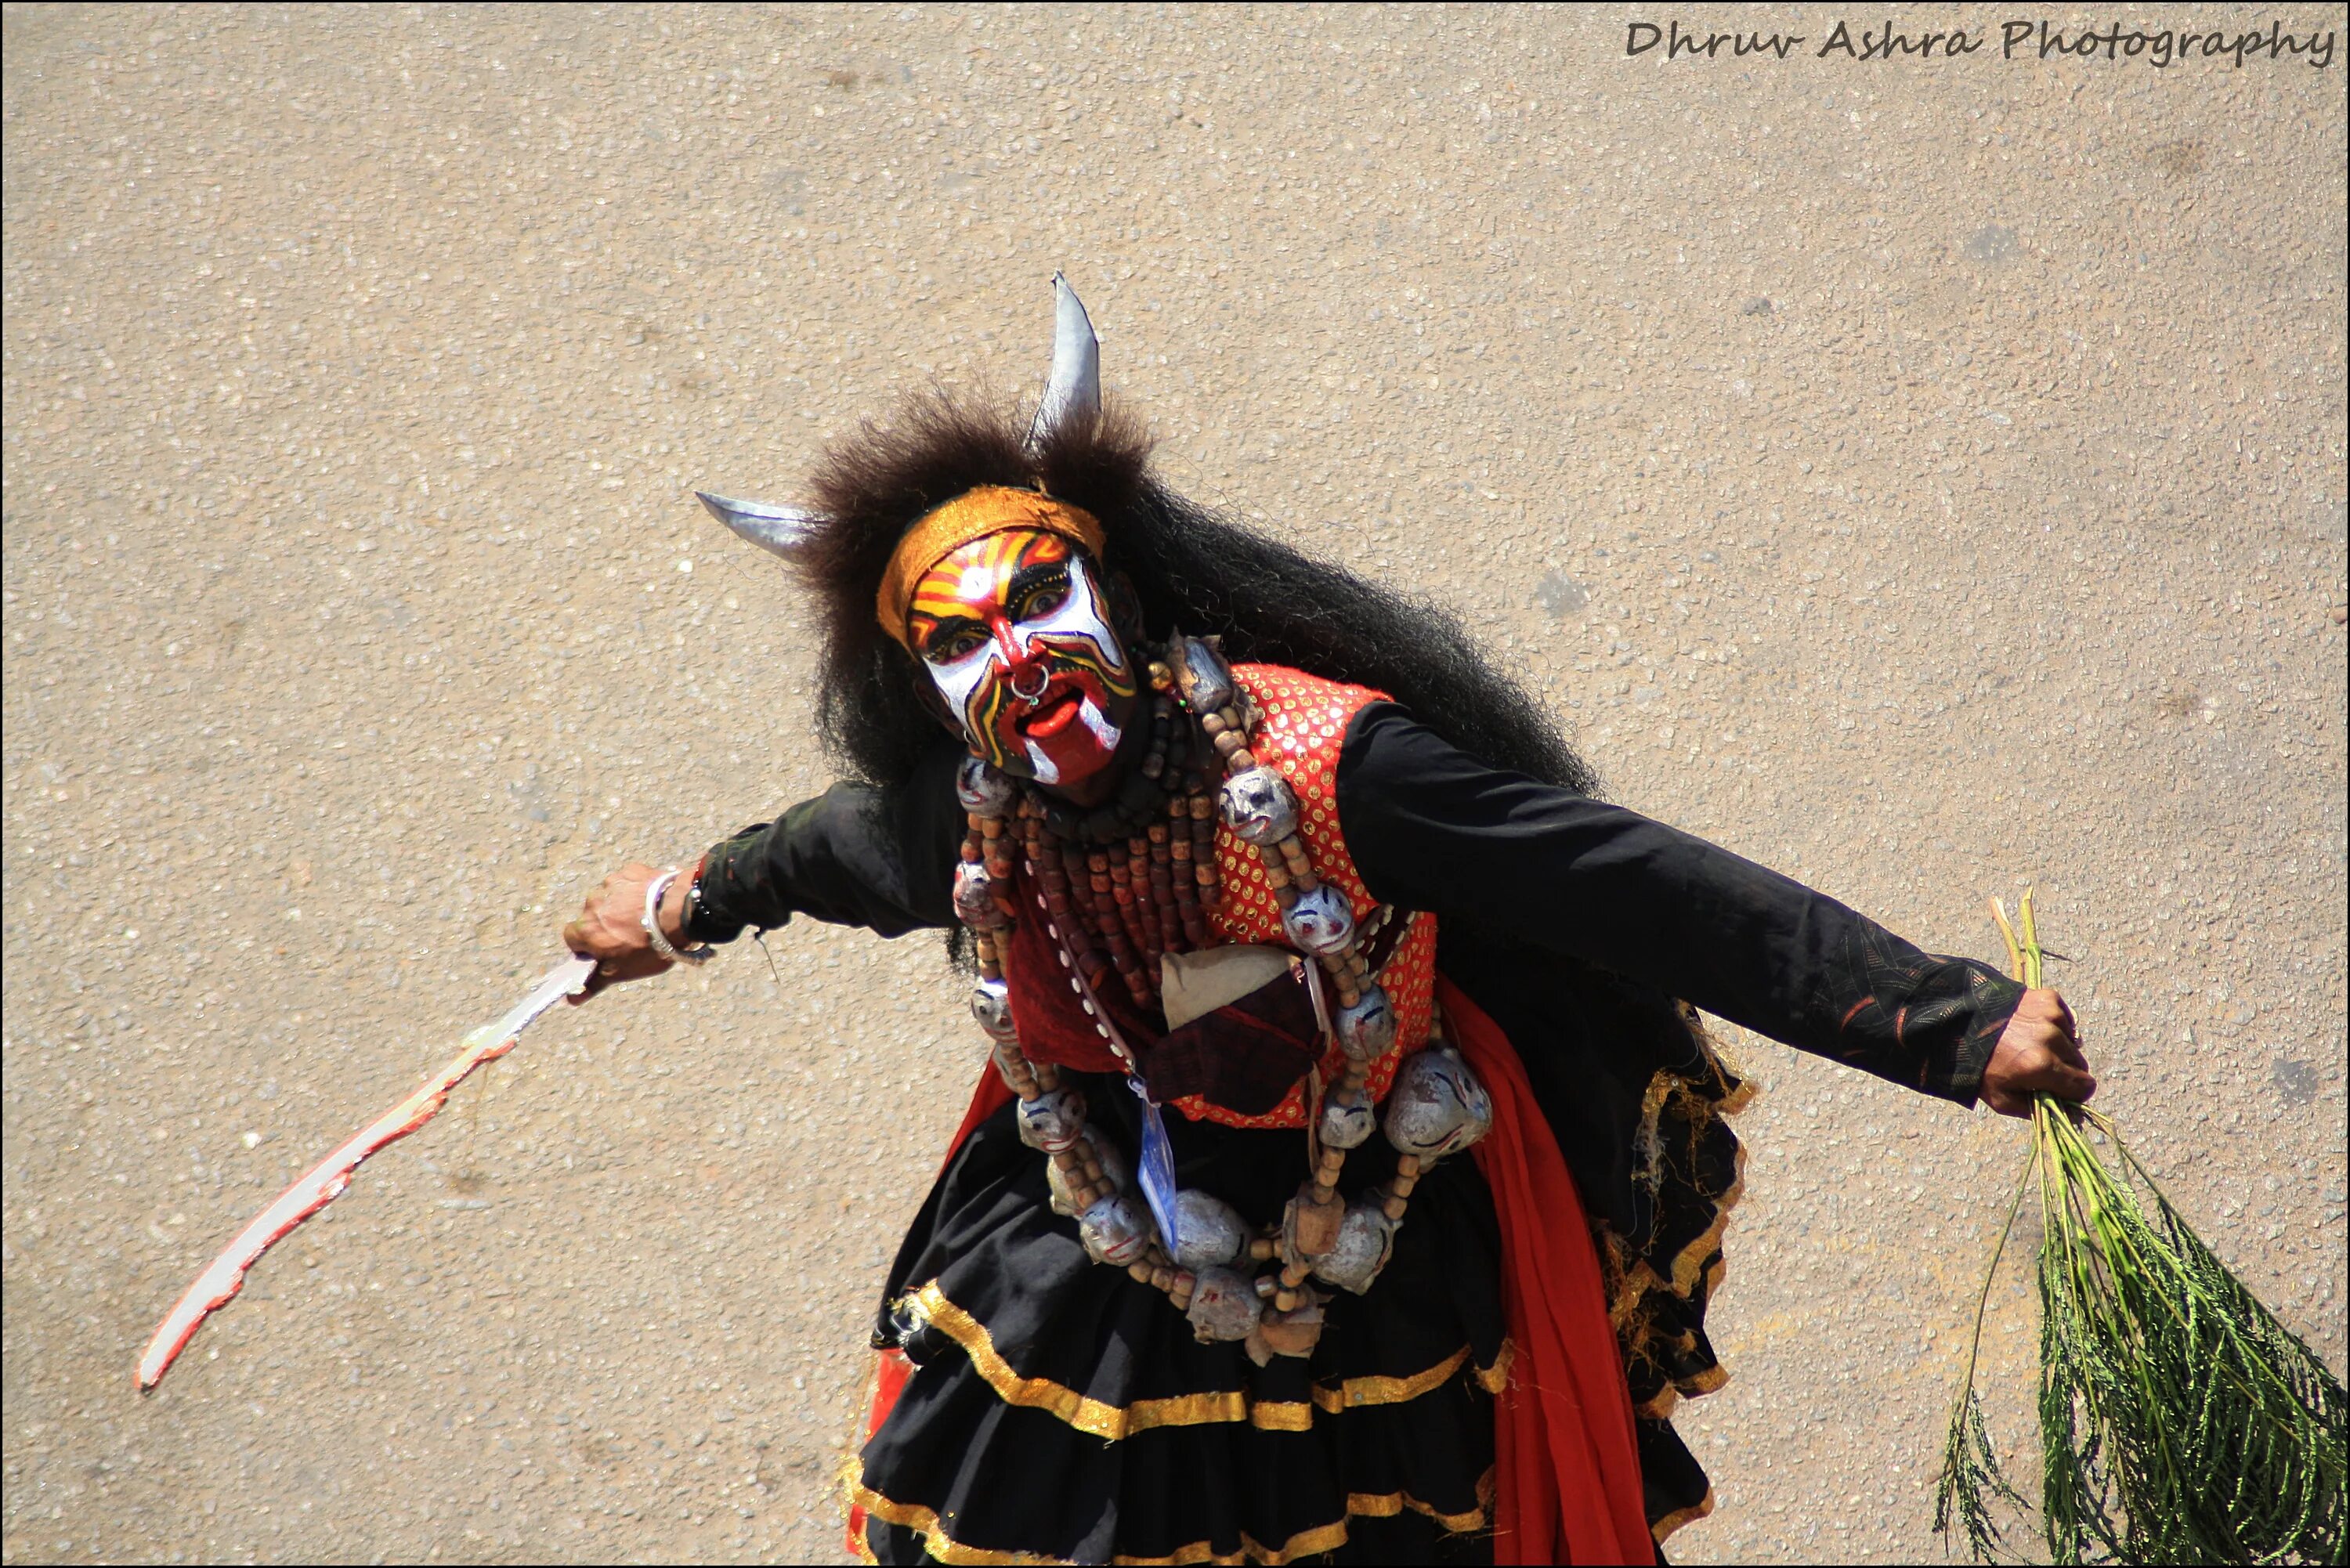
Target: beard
[1067, 733]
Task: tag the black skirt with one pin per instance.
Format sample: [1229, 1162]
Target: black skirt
[1060, 1411]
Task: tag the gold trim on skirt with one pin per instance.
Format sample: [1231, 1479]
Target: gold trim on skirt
[1311, 1542]
[1112, 1423]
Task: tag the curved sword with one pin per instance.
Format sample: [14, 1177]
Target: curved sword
[218, 1284]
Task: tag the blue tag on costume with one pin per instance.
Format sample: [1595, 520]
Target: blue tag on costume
[1156, 1168]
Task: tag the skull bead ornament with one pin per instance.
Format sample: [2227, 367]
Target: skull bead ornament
[1320, 921]
[1212, 1235]
[991, 1006]
[974, 897]
[1367, 1027]
[983, 791]
[1203, 677]
[1224, 1305]
[1365, 1237]
[1257, 805]
[1437, 1105]
[1346, 1124]
[1052, 1121]
[1116, 1231]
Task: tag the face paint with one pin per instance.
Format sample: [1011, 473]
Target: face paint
[1014, 631]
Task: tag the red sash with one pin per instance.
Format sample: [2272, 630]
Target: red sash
[1567, 1468]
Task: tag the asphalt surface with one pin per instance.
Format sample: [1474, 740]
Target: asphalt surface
[1926, 477]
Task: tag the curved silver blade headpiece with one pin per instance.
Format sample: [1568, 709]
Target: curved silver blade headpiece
[785, 530]
[1074, 389]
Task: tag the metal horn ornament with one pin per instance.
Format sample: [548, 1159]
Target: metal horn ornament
[785, 530]
[1074, 389]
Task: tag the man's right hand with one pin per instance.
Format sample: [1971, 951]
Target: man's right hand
[2039, 1052]
[610, 930]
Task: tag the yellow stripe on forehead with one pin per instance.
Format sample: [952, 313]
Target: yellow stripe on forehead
[978, 570]
[986, 513]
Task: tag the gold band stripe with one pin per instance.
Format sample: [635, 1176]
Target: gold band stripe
[1313, 1543]
[1112, 1423]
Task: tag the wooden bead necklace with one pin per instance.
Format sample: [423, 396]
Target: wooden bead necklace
[1124, 886]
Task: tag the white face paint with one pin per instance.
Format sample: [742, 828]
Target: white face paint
[958, 680]
[1074, 641]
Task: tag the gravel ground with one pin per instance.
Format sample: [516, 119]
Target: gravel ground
[1924, 477]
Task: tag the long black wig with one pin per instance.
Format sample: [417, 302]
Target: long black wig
[1190, 568]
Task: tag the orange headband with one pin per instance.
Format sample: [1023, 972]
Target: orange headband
[974, 514]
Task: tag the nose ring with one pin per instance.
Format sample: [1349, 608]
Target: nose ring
[1020, 687]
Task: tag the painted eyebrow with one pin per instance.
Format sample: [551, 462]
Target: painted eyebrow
[946, 626]
[1027, 577]
[1024, 579]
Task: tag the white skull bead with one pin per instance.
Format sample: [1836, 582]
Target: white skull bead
[1320, 921]
[974, 896]
[991, 1005]
[983, 791]
[1257, 805]
[1224, 1305]
[1347, 1124]
[1365, 1237]
[1367, 1028]
[1209, 1232]
[1053, 1120]
[1116, 1229]
[1437, 1105]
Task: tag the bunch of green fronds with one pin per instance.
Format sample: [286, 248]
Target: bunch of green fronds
[2179, 1422]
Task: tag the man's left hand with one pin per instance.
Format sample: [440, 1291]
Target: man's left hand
[2039, 1052]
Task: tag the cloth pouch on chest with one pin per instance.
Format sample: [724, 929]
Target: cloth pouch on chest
[1242, 1028]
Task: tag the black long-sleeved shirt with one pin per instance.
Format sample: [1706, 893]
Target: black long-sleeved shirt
[1569, 921]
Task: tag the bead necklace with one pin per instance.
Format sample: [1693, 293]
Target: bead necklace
[1124, 886]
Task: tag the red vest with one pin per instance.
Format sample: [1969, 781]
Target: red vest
[1303, 726]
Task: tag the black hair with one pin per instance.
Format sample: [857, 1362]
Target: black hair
[1192, 570]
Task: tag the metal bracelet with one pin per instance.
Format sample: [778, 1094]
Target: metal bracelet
[699, 953]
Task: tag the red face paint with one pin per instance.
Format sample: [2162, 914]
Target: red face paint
[1014, 631]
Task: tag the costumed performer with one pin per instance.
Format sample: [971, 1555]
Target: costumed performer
[1349, 1172]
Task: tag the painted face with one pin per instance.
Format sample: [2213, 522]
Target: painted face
[1014, 630]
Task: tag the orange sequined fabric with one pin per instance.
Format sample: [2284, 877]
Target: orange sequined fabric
[1301, 728]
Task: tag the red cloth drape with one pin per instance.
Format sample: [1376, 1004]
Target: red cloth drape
[989, 1093]
[1566, 1471]
[1566, 1468]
